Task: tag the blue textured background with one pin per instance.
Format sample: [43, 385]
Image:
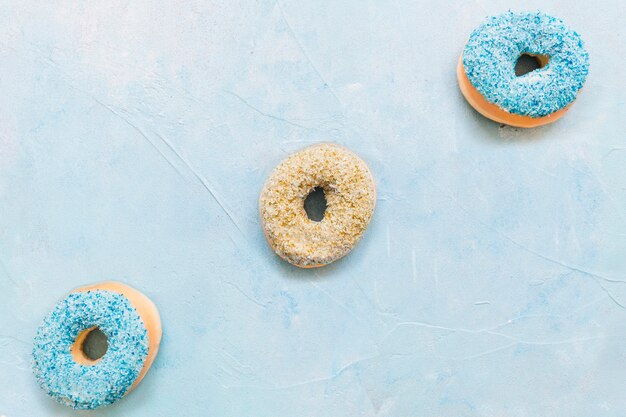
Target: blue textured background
[134, 140]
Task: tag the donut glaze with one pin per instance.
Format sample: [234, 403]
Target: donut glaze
[132, 325]
[350, 200]
[486, 69]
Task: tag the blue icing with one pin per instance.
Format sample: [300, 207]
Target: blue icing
[88, 387]
[492, 51]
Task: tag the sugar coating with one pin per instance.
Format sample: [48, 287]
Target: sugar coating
[350, 199]
[88, 387]
[492, 51]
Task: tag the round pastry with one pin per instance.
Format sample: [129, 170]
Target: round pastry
[65, 370]
[350, 196]
[486, 69]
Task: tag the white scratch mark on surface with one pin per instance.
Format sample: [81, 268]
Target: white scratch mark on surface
[595, 276]
[452, 330]
[376, 295]
[242, 292]
[16, 283]
[131, 125]
[388, 243]
[264, 114]
[487, 352]
[331, 377]
[7, 339]
[611, 151]
[436, 277]
[306, 55]
[611, 296]
[205, 184]
[372, 303]
[201, 179]
[490, 331]
[414, 266]
[19, 363]
[333, 299]
[600, 181]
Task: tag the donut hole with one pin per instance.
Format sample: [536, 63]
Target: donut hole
[315, 204]
[90, 346]
[527, 63]
[96, 344]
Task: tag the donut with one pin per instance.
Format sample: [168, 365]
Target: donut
[132, 325]
[486, 69]
[350, 196]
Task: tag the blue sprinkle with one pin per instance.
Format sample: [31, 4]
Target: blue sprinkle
[89, 387]
[492, 51]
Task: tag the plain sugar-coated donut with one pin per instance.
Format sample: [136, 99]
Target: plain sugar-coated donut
[132, 326]
[486, 69]
[350, 200]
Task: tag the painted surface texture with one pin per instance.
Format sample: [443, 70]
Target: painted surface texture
[135, 137]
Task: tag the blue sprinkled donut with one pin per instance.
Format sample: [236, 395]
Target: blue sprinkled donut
[487, 67]
[70, 377]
